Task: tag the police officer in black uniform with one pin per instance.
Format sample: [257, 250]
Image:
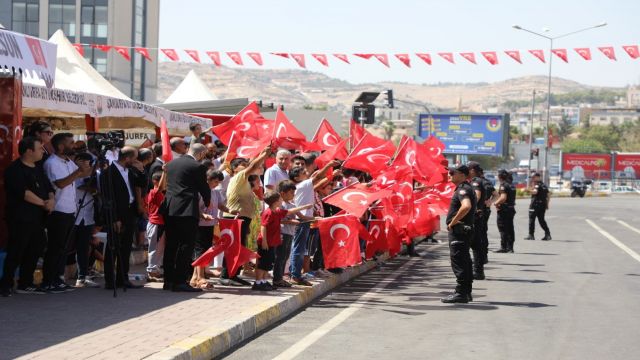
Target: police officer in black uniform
[539, 205]
[491, 195]
[480, 241]
[506, 211]
[460, 226]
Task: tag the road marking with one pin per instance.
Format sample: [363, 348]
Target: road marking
[343, 315]
[614, 240]
[628, 226]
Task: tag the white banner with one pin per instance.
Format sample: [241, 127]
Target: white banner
[28, 54]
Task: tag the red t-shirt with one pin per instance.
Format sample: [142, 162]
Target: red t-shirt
[271, 219]
[154, 199]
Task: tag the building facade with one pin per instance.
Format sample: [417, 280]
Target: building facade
[115, 22]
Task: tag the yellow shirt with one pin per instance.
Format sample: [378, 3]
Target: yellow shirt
[239, 195]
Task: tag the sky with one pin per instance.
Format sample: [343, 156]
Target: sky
[403, 26]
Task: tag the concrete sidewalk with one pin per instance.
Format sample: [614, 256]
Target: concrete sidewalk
[149, 322]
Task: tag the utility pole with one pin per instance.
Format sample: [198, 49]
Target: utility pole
[533, 106]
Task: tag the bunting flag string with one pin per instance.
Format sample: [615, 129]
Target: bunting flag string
[492, 58]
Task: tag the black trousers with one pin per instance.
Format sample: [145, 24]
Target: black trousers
[479, 244]
[505, 227]
[282, 254]
[461, 261]
[25, 244]
[537, 211]
[124, 242]
[59, 227]
[203, 242]
[181, 232]
[244, 232]
[485, 219]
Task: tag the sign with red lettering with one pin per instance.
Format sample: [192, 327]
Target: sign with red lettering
[627, 164]
[586, 166]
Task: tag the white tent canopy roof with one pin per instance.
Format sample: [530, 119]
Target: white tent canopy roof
[191, 89]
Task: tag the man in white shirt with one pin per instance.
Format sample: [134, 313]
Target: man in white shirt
[62, 172]
[278, 172]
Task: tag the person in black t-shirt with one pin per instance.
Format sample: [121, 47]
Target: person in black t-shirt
[29, 198]
[539, 205]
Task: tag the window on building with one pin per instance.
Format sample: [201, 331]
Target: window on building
[93, 19]
[25, 17]
[62, 15]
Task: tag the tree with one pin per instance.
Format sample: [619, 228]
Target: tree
[630, 139]
[609, 136]
[583, 146]
[565, 127]
[389, 128]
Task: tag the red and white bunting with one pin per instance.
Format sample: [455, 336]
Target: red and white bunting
[447, 56]
[79, 48]
[342, 57]
[424, 57]
[256, 57]
[383, 58]
[608, 52]
[194, 55]
[322, 59]
[171, 54]
[491, 56]
[299, 58]
[539, 54]
[632, 50]
[364, 56]
[471, 57]
[215, 57]
[284, 55]
[405, 59]
[584, 52]
[514, 54]
[104, 48]
[235, 57]
[561, 53]
[143, 51]
[123, 51]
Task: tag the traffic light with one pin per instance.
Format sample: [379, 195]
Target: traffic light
[389, 95]
[364, 113]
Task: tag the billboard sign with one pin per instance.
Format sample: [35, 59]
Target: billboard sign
[586, 166]
[467, 133]
[627, 165]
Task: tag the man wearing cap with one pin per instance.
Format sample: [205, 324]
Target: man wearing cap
[480, 241]
[539, 205]
[506, 211]
[460, 226]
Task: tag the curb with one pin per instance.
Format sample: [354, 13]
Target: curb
[219, 339]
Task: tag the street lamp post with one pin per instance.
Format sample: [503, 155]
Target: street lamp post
[545, 169]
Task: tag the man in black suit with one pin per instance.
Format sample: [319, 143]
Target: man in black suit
[125, 212]
[186, 178]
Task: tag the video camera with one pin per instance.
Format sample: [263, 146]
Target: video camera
[105, 141]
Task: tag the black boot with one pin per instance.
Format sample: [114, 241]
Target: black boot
[456, 298]
[478, 275]
[547, 237]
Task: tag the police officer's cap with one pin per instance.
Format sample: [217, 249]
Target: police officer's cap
[535, 174]
[459, 168]
[503, 173]
[473, 165]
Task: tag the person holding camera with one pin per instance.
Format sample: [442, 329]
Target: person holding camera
[460, 226]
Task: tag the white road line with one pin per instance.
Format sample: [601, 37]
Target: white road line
[629, 226]
[343, 315]
[614, 240]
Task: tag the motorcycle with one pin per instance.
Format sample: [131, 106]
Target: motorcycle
[579, 188]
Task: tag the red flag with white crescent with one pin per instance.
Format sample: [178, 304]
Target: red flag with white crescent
[164, 138]
[215, 57]
[299, 58]
[356, 133]
[447, 56]
[404, 58]
[144, 52]
[377, 241]
[235, 255]
[383, 58]
[79, 48]
[491, 57]
[632, 50]
[100, 47]
[585, 53]
[235, 57]
[364, 56]
[561, 53]
[171, 54]
[471, 57]
[339, 152]
[539, 54]
[424, 57]
[284, 55]
[123, 51]
[342, 57]
[372, 160]
[322, 59]
[194, 55]
[256, 57]
[340, 241]
[608, 51]
[355, 199]
[285, 134]
[326, 136]
[242, 122]
[514, 54]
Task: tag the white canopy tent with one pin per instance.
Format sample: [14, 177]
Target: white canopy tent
[191, 89]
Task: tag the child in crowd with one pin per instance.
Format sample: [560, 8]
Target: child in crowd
[269, 238]
[155, 226]
[287, 190]
[208, 221]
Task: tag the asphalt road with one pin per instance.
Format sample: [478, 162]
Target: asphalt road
[576, 297]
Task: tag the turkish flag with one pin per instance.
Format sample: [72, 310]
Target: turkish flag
[215, 57]
[164, 138]
[355, 199]
[538, 53]
[256, 57]
[235, 255]
[123, 51]
[491, 56]
[632, 50]
[79, 48]
[377, 240]
[299, 58]
[264, 126]
[608, 51]
[171, 54]
[340, 241]
[392, 175]
[342, 57]
[412, 155]
[356, 133]
[439, 204]
[367, 143]
[394, 241]
[364, 56]
[383, 58]
[446, 189]
[144, 52]
[422, 220]
[514, 54]
[370, 155]
[244, 147]
[561, 53]
[235, 57]
[284, 55]
[322, 59]
[405, 59]
[434, 147]
[285, 134]
[242, 122]
[339, 152]
[447, 56]
[104, 48]
[424, 57]
[326, 136]
[584, 52]
[194, 55]
[471, 57]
